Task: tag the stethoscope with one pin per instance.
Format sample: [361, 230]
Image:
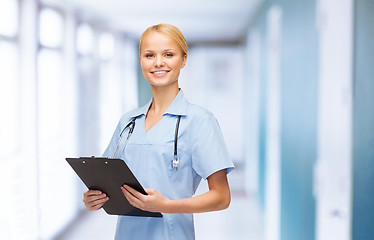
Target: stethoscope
[131, 125]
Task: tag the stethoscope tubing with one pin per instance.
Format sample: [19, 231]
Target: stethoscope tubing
[132, 126]
[176, 137]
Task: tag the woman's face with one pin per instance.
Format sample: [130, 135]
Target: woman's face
[161, 60]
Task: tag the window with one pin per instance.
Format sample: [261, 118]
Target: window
[106, 46]
[85, 40]
[8, 18]
[50, 63]
[110, 88]
[9, 84]
[51, 28]
[9, 99]
[10, 110]
[55, 176]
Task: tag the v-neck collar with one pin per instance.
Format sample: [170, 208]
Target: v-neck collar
[177, 107]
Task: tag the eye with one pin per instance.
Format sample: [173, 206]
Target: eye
[168, 55]
[149, 55]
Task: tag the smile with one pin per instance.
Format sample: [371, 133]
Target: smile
[160, 73]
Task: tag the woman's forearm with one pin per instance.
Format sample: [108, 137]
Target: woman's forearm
[212, 200]
[217, 198]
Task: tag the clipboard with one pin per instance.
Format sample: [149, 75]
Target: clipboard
[108, 175]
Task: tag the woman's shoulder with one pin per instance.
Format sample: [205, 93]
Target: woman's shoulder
[197, 112]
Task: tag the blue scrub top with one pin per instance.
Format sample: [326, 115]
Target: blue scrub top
[201, 152]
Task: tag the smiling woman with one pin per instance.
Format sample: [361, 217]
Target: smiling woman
[168, 124]
[161, 60]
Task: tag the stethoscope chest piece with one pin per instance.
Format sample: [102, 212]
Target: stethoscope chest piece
[175, 163]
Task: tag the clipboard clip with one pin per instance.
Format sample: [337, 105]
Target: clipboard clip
[92, 157]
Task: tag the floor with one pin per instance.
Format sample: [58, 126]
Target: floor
[242, 220]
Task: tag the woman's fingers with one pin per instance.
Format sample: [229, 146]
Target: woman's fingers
[153, 202]
[96, 203]
[134, 192]
[91, 193]
[94, 199]
[134, 197]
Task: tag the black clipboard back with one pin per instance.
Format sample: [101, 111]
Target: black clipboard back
[108, 175]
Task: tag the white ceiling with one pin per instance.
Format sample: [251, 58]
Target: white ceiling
[199, 20]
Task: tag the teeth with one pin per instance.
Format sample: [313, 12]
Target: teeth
[160, 72]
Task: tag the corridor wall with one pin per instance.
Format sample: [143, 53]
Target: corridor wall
[327, 114]
[298, 79]
[363, 122]
[299, 117]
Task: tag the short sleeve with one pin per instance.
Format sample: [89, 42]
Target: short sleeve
[209, 152]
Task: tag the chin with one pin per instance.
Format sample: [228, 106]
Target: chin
[161, 83]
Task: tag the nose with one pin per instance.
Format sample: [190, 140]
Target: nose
[159, 61]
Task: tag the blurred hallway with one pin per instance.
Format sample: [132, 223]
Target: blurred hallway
[290, 83]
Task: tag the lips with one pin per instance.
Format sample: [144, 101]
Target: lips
[160, 73]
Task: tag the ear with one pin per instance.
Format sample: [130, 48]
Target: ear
[184, 60]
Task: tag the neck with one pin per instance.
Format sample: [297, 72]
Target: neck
[163, 97]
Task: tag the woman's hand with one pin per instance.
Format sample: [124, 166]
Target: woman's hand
[94, 199]
[217, 198]
[153, 202]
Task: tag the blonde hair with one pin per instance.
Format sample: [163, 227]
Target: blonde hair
[170, 31]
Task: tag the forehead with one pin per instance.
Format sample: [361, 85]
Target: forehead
[158, 41]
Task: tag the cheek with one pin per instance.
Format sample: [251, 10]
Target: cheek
[176, 65]
[145, 65]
